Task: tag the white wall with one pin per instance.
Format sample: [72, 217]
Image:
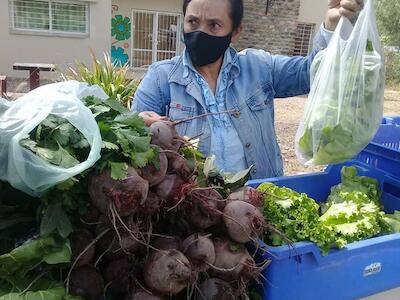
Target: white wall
[62, 51]
[158, 5]
[313, 11]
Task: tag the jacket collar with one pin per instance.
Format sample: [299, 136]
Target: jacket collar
[178, 72]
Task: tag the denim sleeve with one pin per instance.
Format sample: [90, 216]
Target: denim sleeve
[291, 75]
[322, 38]
[149, 95]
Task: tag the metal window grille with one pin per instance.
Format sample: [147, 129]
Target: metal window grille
[155, 36]
[303, 39]
[50, 16]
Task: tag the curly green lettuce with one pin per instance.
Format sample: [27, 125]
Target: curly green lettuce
[291, 213]
[356, 217]
[392, 222]
[351, 213]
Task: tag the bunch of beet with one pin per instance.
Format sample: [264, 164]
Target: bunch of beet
[158, 235]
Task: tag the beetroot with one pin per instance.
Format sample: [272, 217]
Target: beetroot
[150, 206]
[164, 135]
[243, 221]
[153, 174]
[118, 275]
[112, 246]
[143, 295]
[204, 208]
[249, 195]
[167, 272]
[215, 289]
[200, 251]
[91, 217]
[233, 262]
[171, 189]
[86, 282]
[177, 164]
[125, 195]
[80, 239]
[168, 243]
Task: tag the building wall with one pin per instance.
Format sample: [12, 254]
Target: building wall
[273, 31]
[312, 11]
[121, 44]
[62, 51]
[158, 5]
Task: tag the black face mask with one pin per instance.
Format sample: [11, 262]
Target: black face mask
[205, 49]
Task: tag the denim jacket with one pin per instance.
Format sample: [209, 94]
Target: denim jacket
[256, 77]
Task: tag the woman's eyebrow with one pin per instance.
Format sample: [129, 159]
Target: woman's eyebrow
[214, 20]
[193, 17]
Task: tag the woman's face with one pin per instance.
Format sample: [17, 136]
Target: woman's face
[210, 16]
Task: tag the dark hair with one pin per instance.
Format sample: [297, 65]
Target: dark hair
[236, 12]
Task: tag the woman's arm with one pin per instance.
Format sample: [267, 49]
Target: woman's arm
[291, 75]
[149, 95]
[149, 100]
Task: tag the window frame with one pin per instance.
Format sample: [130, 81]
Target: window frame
[51, 32]
[155, 50]
[312, 27]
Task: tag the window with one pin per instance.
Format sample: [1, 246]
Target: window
[155, 36]
[303, 39]
[50, 16]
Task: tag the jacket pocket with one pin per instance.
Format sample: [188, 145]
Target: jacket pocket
[179, 112]
[262, 98]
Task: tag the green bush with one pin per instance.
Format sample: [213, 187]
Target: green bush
[109, 76]
[392, 64]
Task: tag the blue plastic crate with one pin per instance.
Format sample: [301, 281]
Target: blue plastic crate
[383, 152]
[391, 120]
[361, 269]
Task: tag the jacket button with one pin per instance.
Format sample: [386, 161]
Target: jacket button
[248, 145]
[236, 114]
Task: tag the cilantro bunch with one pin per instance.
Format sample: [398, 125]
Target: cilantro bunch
[126, 139]
[126, 142]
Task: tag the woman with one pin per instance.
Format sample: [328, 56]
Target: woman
[211, 76]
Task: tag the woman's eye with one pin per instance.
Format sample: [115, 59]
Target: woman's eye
[215, 26]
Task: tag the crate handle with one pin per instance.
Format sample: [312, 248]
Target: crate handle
[392, 186]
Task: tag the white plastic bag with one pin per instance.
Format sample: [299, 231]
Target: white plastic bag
[21, 167]
[345, 104]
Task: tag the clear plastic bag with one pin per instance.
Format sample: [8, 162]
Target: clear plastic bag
[345, 104]
[21, 167]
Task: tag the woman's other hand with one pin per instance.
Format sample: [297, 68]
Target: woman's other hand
[150, 117]
[338, 8]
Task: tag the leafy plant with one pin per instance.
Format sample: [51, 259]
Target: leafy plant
[113, 79]
[126, 142]
[58, 142]
[351, 213]
[392, 65]
[388, 12]
[392, 221]
[18, 217]
[292, 213]
[340, 121]
[25, 272]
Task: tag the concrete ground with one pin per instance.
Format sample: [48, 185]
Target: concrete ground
[393, 294]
